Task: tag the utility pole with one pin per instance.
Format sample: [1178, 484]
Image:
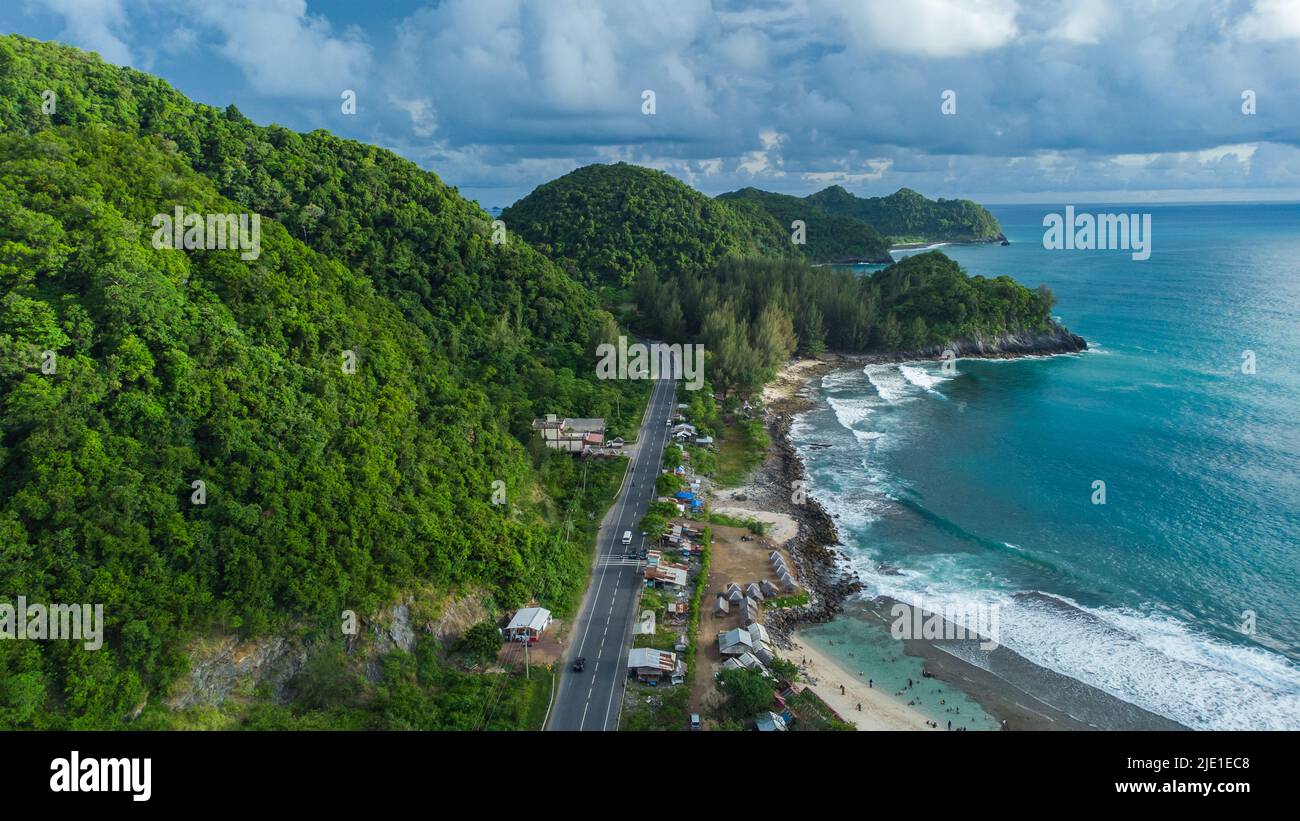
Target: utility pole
[527, 641]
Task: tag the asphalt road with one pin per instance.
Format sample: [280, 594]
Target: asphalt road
[591, 699]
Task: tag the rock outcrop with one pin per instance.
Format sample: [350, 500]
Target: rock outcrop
[1056, 340]
[227, 666]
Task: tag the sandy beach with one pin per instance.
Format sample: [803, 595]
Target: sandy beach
[880, 710]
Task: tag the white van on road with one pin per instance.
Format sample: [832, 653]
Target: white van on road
[627, 537]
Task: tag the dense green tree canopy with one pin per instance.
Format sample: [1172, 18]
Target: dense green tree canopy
[611, 221]
[906, 216]
[829, 237]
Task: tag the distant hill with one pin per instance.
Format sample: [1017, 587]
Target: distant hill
[830, 237]
[906, 216]
[605, 222]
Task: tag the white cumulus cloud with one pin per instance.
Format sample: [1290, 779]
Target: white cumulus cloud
[926, 28]
[284, 51]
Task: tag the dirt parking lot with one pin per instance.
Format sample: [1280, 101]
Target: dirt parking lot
[730, 560]
[548, 650]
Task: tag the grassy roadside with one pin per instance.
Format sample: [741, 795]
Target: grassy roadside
[742, 447]
[697, 597]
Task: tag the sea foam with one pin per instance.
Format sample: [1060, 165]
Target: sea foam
[888, 383]
[922, 378]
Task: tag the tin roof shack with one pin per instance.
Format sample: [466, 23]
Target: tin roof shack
[528, 624]
[653, 666]
[666, 575]
[751, 662]
[770, 723]
[571, 435]
[735, 642]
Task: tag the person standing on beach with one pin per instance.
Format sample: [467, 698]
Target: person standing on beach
[869, 684]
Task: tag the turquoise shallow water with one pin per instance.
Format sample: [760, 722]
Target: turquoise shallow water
[978, 486]
[875, 655]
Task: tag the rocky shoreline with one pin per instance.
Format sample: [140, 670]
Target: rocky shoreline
[831, 585]
[821, 567]
[817, 562]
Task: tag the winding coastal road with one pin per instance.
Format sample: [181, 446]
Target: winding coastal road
[592, 699]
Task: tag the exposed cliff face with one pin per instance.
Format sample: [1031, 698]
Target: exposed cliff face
[226, 667]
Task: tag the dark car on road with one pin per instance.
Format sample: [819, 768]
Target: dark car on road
[579, 664]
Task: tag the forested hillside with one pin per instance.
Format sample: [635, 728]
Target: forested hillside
[906, 216]
[325, 490]
[830, 237]
[607, 222]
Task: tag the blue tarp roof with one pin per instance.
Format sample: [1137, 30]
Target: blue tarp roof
[684, 494]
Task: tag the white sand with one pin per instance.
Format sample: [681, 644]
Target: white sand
[790, 379]
[880, 710]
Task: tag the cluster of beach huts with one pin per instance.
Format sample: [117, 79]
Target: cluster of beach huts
[782, 572]
[748, 647]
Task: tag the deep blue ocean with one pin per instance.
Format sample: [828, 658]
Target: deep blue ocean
[1181, 593]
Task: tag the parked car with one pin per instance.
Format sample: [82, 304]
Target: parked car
[695, 721]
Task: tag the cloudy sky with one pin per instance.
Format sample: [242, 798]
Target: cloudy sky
[1079, 100]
